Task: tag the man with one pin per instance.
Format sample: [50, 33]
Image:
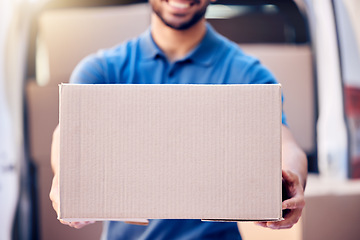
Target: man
[180, 47]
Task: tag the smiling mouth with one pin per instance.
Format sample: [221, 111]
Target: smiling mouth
[180, 5]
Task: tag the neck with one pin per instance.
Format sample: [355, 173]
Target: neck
[176, 44]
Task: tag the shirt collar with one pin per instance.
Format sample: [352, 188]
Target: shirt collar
[204, 53]
[148, 47]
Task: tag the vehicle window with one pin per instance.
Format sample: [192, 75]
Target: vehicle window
[256, 22]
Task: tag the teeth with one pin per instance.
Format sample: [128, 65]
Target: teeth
[178, 4]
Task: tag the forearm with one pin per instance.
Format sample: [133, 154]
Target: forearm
[294, 158]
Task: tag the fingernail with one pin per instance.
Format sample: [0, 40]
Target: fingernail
[270, 224]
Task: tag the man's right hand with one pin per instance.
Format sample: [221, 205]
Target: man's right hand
[54, 192]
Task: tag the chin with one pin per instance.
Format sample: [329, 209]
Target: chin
[182, 24]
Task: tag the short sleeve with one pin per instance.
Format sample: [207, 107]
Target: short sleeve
[89, 71]
[259, 74]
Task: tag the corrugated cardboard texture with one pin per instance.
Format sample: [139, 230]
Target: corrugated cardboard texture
[170, 151]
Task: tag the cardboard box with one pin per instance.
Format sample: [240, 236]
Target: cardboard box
[170, 152]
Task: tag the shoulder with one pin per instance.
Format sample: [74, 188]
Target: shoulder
[96, 67]
[230, 51]
[245, 65]
[118, 52]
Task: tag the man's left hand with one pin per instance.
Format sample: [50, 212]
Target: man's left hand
[294, 204]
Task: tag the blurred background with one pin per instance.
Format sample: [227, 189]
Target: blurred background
[311, 46]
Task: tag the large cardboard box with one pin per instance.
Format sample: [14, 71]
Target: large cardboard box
[170, 152]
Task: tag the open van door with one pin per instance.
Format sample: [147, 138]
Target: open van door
[348, 33]
[68, 31]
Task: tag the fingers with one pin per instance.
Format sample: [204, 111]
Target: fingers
[292, 184]
[288, 176]
[137, 223]
[261, 224]
[54, 197]
[77, 225]
[291, 219]
[294, 203]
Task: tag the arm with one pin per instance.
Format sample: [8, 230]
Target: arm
[294, 174]
[54, 192]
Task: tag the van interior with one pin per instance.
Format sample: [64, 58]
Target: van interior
[276, 32]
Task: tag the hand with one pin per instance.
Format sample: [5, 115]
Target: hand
[54, 196]
[54, 192]
[294, 204]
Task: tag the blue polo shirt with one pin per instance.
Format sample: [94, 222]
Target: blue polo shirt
[216, 60]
